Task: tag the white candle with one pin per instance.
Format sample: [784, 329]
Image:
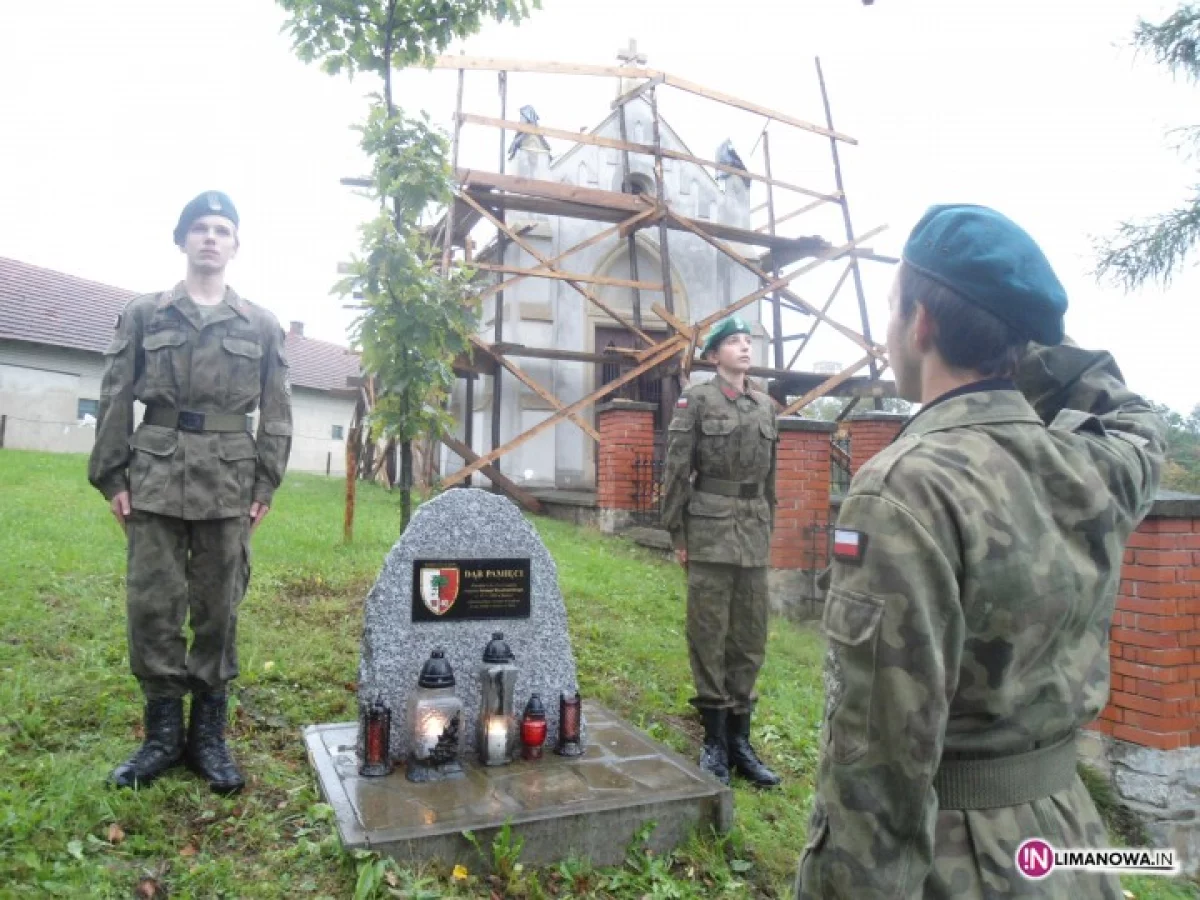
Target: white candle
[431, 731]
[497, 738]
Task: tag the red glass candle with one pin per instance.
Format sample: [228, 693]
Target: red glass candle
[533, 728]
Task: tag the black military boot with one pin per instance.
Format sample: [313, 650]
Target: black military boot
[742, 757]
[714, 755]
[207, 754]
[161, 749]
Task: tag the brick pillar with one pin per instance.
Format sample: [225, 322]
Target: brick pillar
[798, 545]
[1148, 737]
[626, 432]
[869, 433]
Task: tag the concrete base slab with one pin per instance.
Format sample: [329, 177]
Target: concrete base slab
[590, 806]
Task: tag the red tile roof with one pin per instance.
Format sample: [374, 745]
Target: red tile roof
[42, 306]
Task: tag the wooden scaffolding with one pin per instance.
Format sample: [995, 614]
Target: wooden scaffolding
[481, 196]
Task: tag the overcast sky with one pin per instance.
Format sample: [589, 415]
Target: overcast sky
[113, 115]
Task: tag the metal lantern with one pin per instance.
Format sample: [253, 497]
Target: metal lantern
[533, 728]
[435, 724]
[570, 740]
[376, 727]
[497, 720]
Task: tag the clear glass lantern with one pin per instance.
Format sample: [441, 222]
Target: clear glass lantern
[435, 724]
[497, 730]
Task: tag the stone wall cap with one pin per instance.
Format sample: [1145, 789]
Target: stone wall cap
[1175, 505]
[799, 423]
[626, 406]
[878, 415]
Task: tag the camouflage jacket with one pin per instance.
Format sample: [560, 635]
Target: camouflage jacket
[232, 362]
[719, 433]
[975, 622]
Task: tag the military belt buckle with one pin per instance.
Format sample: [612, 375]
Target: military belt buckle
[190, 421]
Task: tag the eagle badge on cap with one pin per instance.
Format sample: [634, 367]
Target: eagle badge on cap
[214, 201]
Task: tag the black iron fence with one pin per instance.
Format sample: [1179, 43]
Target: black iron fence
[647, 490]
[839, 465]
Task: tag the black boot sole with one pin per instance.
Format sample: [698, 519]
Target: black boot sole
[224, 788]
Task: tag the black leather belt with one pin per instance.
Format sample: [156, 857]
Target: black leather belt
[746, 490]
[187, 420]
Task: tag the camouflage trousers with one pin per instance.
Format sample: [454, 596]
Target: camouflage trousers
[974, 855]
[180, 569]
[726, 633]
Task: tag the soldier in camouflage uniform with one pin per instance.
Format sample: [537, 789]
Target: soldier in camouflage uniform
[724, 434]
[975, 571]
[190, 485]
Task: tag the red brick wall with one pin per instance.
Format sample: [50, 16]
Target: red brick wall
[626, 431]
[870, 434]
[1155, 648]
[802, 490]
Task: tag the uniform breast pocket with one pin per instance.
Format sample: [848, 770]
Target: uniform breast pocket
[164, 352]
[851, 622]
[716, 437]
[243, 357]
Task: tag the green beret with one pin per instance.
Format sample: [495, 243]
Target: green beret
[993, 263]
[210, 203]
[734, 324]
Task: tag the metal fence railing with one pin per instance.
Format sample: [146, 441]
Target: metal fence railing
[647, 490]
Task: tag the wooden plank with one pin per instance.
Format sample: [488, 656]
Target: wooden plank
[663, 354]
[808, 207]
[678, 324]
[518, 494]
[808, 307]
[728, 99]
[557, 68]
[596, 140]
[582, 245]
[826, 386]
[523, 377]
[824, 309]
[524, 245]
[543, 272]
[636, 92]
[552, 190]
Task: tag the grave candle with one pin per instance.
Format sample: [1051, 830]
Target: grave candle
[497, 739]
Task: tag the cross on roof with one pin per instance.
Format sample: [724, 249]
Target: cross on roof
[630, 56]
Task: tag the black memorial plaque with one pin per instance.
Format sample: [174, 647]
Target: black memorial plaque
[460, 590]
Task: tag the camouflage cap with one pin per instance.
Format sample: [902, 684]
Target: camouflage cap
[992, 263]
[734, 324]
[210, 203]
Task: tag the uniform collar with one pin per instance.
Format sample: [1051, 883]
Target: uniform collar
[177, 295]
[730, 392]
[988, 402]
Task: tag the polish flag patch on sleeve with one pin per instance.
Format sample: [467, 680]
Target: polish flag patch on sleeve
[681, 403]
[849, 545]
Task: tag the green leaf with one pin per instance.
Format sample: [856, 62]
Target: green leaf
[75, 848]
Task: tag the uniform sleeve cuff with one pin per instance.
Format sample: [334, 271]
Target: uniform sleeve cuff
[113, 485]
[263, 493]
[679, 539]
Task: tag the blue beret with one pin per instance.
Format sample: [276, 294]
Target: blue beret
[993, 263]
[210, 203]
[733, 324]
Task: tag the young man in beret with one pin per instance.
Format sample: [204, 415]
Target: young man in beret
[974, 576]
[190, 485]
[724, 434]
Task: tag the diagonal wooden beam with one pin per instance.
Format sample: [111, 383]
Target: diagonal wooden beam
[663, 354]
[795, 298]
[636, 92]
[678, 324]
[825, 386]
[824, 309]
[522, 496]
[808, 207]
[525, 245]
[618, 230]
[522, 376]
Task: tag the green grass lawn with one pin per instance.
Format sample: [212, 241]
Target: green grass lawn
[70, 710]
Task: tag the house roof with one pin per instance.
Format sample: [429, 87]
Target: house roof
[42, 306]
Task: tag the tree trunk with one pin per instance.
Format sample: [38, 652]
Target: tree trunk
[406, 473]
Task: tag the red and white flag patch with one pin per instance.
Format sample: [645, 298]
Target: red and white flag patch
[848, 545]
[681, 403]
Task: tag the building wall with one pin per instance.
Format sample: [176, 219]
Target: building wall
[41, 387]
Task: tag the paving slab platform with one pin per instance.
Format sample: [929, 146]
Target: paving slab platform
[589, 807]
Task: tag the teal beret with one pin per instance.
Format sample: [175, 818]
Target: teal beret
[992, 263]
[210, 203]
[734, 324]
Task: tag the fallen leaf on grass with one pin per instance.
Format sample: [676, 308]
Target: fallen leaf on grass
[148, 888]
[391, 878]
[282, 804]
[188, 850]
[116, 833]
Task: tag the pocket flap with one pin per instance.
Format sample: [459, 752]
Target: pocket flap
[235, 447]
[242, 347]
[161, 339]
[277, 429]
[710, 506]
[1078, 420]
[718, 426]
[768, 430]
[850, 617]
[155, 440]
